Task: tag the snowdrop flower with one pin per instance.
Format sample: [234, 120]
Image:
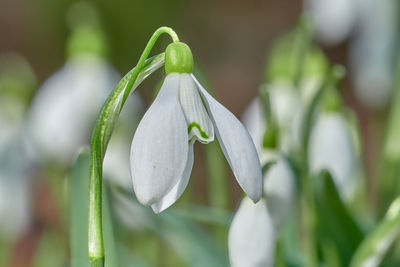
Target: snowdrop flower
[287, 111]
[17, 82]
[331, 148]
[251, 237]
[279, 180]
[183, 112]
[66, 106]
[334, 19]
[372, 52]
[280, 191]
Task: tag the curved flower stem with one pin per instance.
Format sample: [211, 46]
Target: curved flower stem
[146, 52]
[101, 135]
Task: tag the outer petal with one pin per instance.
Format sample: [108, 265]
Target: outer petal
[251, 238]
[236, 143]
[160, 146]
[178, 189]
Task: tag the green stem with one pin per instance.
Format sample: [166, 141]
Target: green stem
[101, 135]
[146, 52]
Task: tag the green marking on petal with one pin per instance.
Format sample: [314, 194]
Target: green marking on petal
[196, 125]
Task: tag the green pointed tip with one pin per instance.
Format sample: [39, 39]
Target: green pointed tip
[178, 58]
[87, 39]
[271, 137]
[331, 101]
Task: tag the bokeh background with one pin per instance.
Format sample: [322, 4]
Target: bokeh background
[230, 41]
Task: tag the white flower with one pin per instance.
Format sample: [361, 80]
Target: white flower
[65, 107]
[334, 19]
[162, 148]
[331, 148]
[279, 180]
[285, 107]
[372, 50]
[280, 191]
[251, 237]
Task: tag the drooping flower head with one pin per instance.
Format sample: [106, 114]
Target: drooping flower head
[183, 112]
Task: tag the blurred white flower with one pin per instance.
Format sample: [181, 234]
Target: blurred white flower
[251, 238]
[280, 191]
[64, 109]
[331, 148]
[373, 51]
[162, 148]
[15, 190]
[279, 180]
[334, 20]
[286, 108]
[17, 83]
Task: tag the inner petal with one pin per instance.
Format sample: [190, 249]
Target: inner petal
[200, 126]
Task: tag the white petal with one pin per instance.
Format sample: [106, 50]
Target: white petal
[331, 148]
[251, 238]
[160, 146]
[279, 186]
[236, 143]
[178, 189]
[195, 113]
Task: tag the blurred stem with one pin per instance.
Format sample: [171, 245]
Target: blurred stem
[308, 216]
[307, 193]
[304, 42]
[101, 135]
[389, 167]
[218, 184]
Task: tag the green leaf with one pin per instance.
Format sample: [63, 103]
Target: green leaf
[190, 242]
[334, 222]
[377, 243]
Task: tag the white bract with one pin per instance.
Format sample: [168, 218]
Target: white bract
[251, 237]
[162, 148]
[331, 148]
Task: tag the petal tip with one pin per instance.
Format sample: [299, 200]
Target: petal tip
[157, 209]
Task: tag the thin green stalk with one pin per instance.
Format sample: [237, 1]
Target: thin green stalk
[101, 135]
